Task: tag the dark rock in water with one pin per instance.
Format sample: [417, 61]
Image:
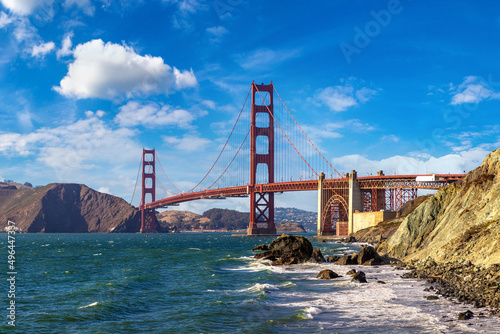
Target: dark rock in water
[351, 239]
[367, 255]
[345, 260]
[323, 241]
[264, 255]
[359, 277]
[261, 247]
[354, 258]
[432, 297]
[381, 282]
[465, 315]
[327, 274]
[351, 272]
[332, 258]
[290, 249]
[316, 256]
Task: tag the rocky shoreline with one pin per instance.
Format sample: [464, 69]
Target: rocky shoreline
[465, 282]
[475, 285]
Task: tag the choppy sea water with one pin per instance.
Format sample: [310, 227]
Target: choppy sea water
[209, 283]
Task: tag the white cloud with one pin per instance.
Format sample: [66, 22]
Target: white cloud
[111, 70]
[392, 138]
[472, 90]
[342, 97]
[104, 190]
[25, 7]
[265, 58]
[216, 33]
[152, 115]
[85, 5]
[410, 164]
[5, 19]
[76, 146]
[187, 143]
[65, 49]
[42, 49]
[184, 79]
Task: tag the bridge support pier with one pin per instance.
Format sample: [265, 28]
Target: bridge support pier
[261, 204]
[148, 216]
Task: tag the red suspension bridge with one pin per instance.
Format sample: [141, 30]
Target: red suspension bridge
[272, 154]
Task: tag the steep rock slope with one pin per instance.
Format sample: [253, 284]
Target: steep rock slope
[461, 222]
[66, 208]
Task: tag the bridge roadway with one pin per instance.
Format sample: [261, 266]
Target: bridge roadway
[367, 182]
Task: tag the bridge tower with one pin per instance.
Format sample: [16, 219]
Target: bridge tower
[148, 216]
[261, 203]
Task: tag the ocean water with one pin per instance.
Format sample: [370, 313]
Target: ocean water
[209, 283]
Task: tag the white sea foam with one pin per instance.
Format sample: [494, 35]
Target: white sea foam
[258, 287]
[398, 302]
[89, 305]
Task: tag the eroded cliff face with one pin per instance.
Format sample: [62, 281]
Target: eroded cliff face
[461, 222]
[70, 208]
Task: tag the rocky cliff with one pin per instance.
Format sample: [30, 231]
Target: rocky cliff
[66, 208]
[460, 223]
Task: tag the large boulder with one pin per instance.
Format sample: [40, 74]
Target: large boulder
[289, 249]
[367, 255]
[327, 274]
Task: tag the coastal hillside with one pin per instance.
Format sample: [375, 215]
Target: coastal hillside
[66, 208]
[213, 219]
[461, 222]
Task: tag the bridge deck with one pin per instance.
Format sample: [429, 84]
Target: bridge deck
[367, 182]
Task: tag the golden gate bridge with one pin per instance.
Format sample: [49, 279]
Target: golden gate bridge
[267, 152]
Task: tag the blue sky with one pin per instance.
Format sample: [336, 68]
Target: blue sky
[403, 86]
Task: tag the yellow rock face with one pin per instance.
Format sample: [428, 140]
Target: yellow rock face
[461, 222]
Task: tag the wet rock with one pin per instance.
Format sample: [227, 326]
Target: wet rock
[465, 315]
[347, 259]
[265, 255]
[351, 272]
[367, 255]
[381, 282]
[327, 274]
[316, 256]
[431, 297]
[261, 247]
[332, 258]
[290, 249]
[359, 277]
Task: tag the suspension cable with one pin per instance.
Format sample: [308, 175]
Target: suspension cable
[224, 147]
[305, 133]
[137, 179]
[173, 185]
[225, 170]
[270, 113]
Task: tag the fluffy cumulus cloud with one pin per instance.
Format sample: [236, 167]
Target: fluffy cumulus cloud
[152, 115]
[342, 97]
[66, 45]
[25, 7]
[187, 143]
[110, 71]
[473, 90]
[42, 49]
